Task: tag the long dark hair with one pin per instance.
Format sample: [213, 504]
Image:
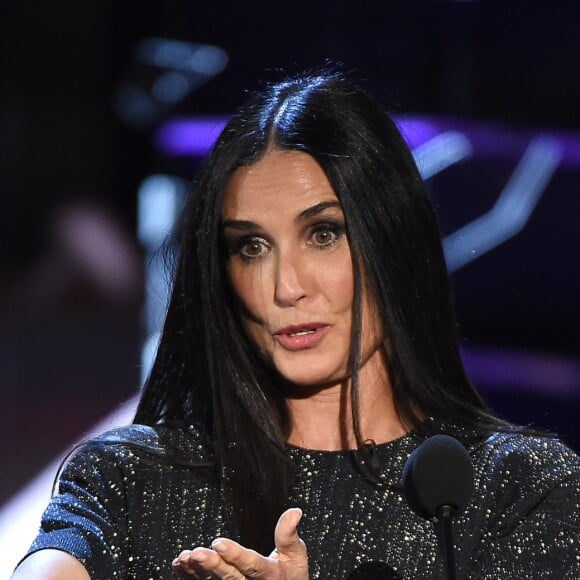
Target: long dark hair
[207, 371]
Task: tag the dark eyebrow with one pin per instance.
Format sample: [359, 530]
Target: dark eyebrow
[241, 225]
[245, 226]
[315, 210]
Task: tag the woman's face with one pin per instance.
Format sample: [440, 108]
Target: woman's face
[290, 266]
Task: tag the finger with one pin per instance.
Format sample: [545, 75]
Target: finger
[248, 562]
[286, 538]
[203, 564]
[187, 565]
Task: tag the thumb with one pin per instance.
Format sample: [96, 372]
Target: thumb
[286, 538]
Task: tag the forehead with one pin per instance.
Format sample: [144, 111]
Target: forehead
[280, 182]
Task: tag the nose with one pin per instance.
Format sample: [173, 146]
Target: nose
[289, 284]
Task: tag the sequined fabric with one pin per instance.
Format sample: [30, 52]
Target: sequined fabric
[126, 513]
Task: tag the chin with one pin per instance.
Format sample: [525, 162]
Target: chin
[314, 378]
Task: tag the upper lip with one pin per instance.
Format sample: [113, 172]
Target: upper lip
[294, 328]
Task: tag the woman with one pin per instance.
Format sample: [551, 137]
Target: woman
[309, 347]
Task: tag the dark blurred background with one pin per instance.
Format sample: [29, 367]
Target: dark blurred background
[81, 108]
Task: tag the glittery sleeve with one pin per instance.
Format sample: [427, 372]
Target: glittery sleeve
[86, 518]
[533, 513]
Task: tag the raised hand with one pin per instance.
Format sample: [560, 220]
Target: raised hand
[228, 560]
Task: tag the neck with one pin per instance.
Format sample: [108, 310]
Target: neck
[324, 420]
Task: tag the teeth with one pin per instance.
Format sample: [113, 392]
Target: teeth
[301, 333]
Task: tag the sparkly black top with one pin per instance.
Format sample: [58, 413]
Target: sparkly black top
[126, 513]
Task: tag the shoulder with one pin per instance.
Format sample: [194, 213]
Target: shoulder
[133, 444]
[508, 459]
[511, 447]
[523, 453]
[522, 474]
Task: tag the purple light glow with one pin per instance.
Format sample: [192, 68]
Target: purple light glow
[417, 131]
[189, 137]
[494, 369]
[194, 136]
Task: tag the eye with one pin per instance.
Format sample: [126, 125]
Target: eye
[253, 248]
[325, 235]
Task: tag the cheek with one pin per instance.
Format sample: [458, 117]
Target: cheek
[249, 286]
[337, 282]
[250, 294]
[373, 332]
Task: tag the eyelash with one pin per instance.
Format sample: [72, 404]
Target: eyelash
[337, 231]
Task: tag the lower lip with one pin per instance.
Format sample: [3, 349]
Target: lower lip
[301, 341]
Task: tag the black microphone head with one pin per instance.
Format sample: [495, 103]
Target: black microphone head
[438, 473]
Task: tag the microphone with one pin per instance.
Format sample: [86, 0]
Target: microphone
[438, 482]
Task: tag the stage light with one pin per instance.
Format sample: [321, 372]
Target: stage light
[441, 152]
[512, 209]
[163, 72]
[184, 137]
[160, 198]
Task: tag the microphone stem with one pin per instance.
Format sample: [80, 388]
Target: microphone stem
[445, 533]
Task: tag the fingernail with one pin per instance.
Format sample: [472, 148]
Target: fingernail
[219, 546]
[175, 562]
[199, 556]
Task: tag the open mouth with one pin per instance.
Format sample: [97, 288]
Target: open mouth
[302, 332]
[301, 337]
